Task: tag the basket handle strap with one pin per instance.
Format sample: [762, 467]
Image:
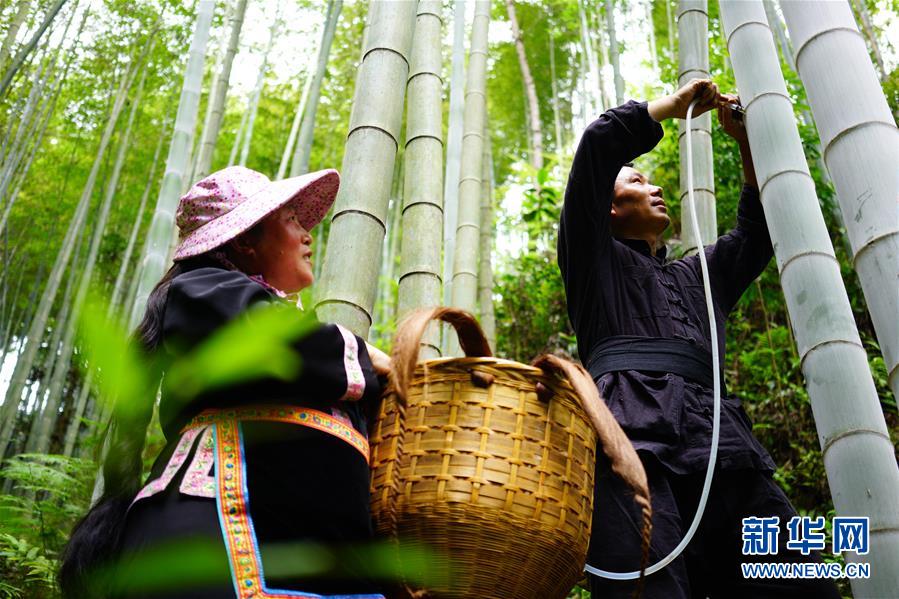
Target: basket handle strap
[615, 444]
[411, 330]
[406, 345]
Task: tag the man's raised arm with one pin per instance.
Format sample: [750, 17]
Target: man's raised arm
[618, 136]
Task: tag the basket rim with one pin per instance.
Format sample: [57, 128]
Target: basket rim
[480, 360]
[464, 362]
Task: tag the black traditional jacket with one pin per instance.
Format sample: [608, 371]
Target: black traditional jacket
[617, 287]
[306, 489]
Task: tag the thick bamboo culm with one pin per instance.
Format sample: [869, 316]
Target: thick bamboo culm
[349, 281]
[490, 464]
[858, 456]
[420, 280]
[859, 137]
[693, 63]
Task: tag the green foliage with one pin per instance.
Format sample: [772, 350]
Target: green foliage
[531, 316]
[162, 567]
[25, 569]
[122, 371]
[506, 102]
[541, 210]
[578, 592]
[50, 494]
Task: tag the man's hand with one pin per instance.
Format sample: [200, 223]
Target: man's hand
[736, 129]
[729, 124]
[675, 105]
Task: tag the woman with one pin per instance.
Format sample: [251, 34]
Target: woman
[298, 447]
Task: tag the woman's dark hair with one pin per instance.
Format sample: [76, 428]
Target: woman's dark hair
[95, 539]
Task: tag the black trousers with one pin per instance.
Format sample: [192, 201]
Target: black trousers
[710, 565]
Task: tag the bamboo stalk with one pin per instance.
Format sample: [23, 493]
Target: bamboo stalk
[22, 173]
[55, 332]
[693, 63]
[13, 128]
[535, 130]
[670, 27]
[385, 304]
[12, 315]
[786, 50]
[60, 324]
[162, 227]
[15, 24]
[465, 262]
[117, 304]
[485, 265]
[650, 25]
[119, 285]
[241, 131]
[865, 19]
[257, 91]
[350, 273]
[593, 72]
[20, 56]
[859, 137]
[54, 399]
[294, 127]
[15, 151]
[858, 456]
[303, 150]
[35, 333]
[557, 123]
[215, 109]
[453, 153]
[419, 280]
[600, 41]
[74, 425]
[613, 52]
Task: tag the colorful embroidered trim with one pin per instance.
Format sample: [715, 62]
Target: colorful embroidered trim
[233, 501]
[197, 479]
[293, 415]
[355, 379]
[171, 469]
[341, 416]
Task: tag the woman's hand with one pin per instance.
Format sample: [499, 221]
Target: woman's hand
[675, 105]
[379, 360]
[730, 125]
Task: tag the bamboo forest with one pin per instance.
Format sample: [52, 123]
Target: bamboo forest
[473, 141]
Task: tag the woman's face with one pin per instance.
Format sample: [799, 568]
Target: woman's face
[283, 253]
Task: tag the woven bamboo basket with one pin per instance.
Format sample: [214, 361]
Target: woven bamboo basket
[490, 464]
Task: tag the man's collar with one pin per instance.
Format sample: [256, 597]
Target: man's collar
[643, 247]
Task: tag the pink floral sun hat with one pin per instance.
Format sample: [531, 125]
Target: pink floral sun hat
[230, 201]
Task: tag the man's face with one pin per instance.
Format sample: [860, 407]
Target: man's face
[638, 210]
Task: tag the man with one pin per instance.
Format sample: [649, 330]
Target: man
[643, 333]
